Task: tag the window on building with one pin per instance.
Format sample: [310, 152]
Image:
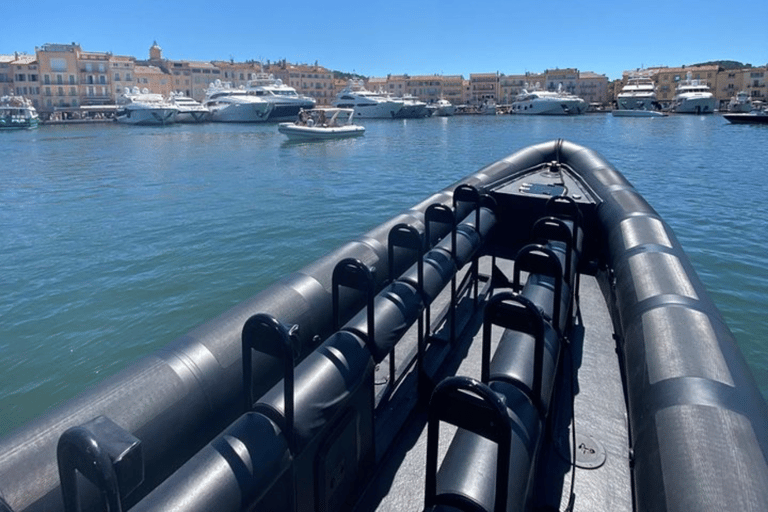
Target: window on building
[117, 77]
[72, 79]
[58, 64]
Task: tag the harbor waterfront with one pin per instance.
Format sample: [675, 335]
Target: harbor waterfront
[119, 239]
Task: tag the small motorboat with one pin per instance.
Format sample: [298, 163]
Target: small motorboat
[322, 124]
[753, 117]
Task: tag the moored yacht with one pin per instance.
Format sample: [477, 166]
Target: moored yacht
[17, 112]
[442, 108]
[539, 102]
[234, 105]
[412, 108]
[742, 102]
[367, 104]
[189, 110]
[142, 107]
[286, 102]
[638, 94]
[693, 97]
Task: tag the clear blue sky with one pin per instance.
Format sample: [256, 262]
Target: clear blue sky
[416, 37]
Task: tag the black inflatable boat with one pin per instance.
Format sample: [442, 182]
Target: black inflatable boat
[533, 337]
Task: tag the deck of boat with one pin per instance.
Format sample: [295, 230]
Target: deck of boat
[601, 479]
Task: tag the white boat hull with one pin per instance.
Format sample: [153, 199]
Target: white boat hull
[703, 104]
[156, 116]
[446, 111]
[193, 116]
[299, 132]
[550, 107]
[241, 112]
[378, 110]
[637, 113]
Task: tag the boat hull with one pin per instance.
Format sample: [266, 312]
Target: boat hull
[696, 105]
[18, 123]
[241, 113]
[637, 113]
[380, 110]
[147, 116]
[757, 118]
[566, 107]
[193, 116]
[296, 132]
[288, 111]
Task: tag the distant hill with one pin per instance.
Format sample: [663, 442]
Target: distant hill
[725, 64]
[346, 76]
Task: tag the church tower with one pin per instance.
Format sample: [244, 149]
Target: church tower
[155, 52]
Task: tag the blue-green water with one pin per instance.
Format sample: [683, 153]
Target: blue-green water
[116, 240]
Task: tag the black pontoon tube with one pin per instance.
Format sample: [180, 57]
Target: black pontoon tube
[699, 425]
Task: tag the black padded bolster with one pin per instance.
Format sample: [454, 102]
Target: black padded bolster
[540, 289]
[513, 362]
[324, 384]
[467, 477]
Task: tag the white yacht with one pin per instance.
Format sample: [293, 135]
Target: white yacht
[412, 108]
[190, 111]
[145, 108]
[742, 102]
[442, 108]
[234, 105]
[286, 101]
[17, 112]
[538, 102]
[638, 94]
[693, 97]
[367, 104]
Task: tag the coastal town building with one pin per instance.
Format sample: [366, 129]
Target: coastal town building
[236, 73]
[123, 72]
[483, 87]
[95, 79]
[59, 76]
[314, 80]
[19, 75]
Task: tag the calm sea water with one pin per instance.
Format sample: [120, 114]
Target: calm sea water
[116, 240]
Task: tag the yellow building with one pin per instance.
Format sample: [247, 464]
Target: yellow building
[20, 76]
[237, 73]
[483, 87]
[59, 76]
[122, 68]
[510, 86]
[310, 80]
[153, 79]
[95, 78]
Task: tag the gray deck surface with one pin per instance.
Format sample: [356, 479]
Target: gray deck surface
[600, 416]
